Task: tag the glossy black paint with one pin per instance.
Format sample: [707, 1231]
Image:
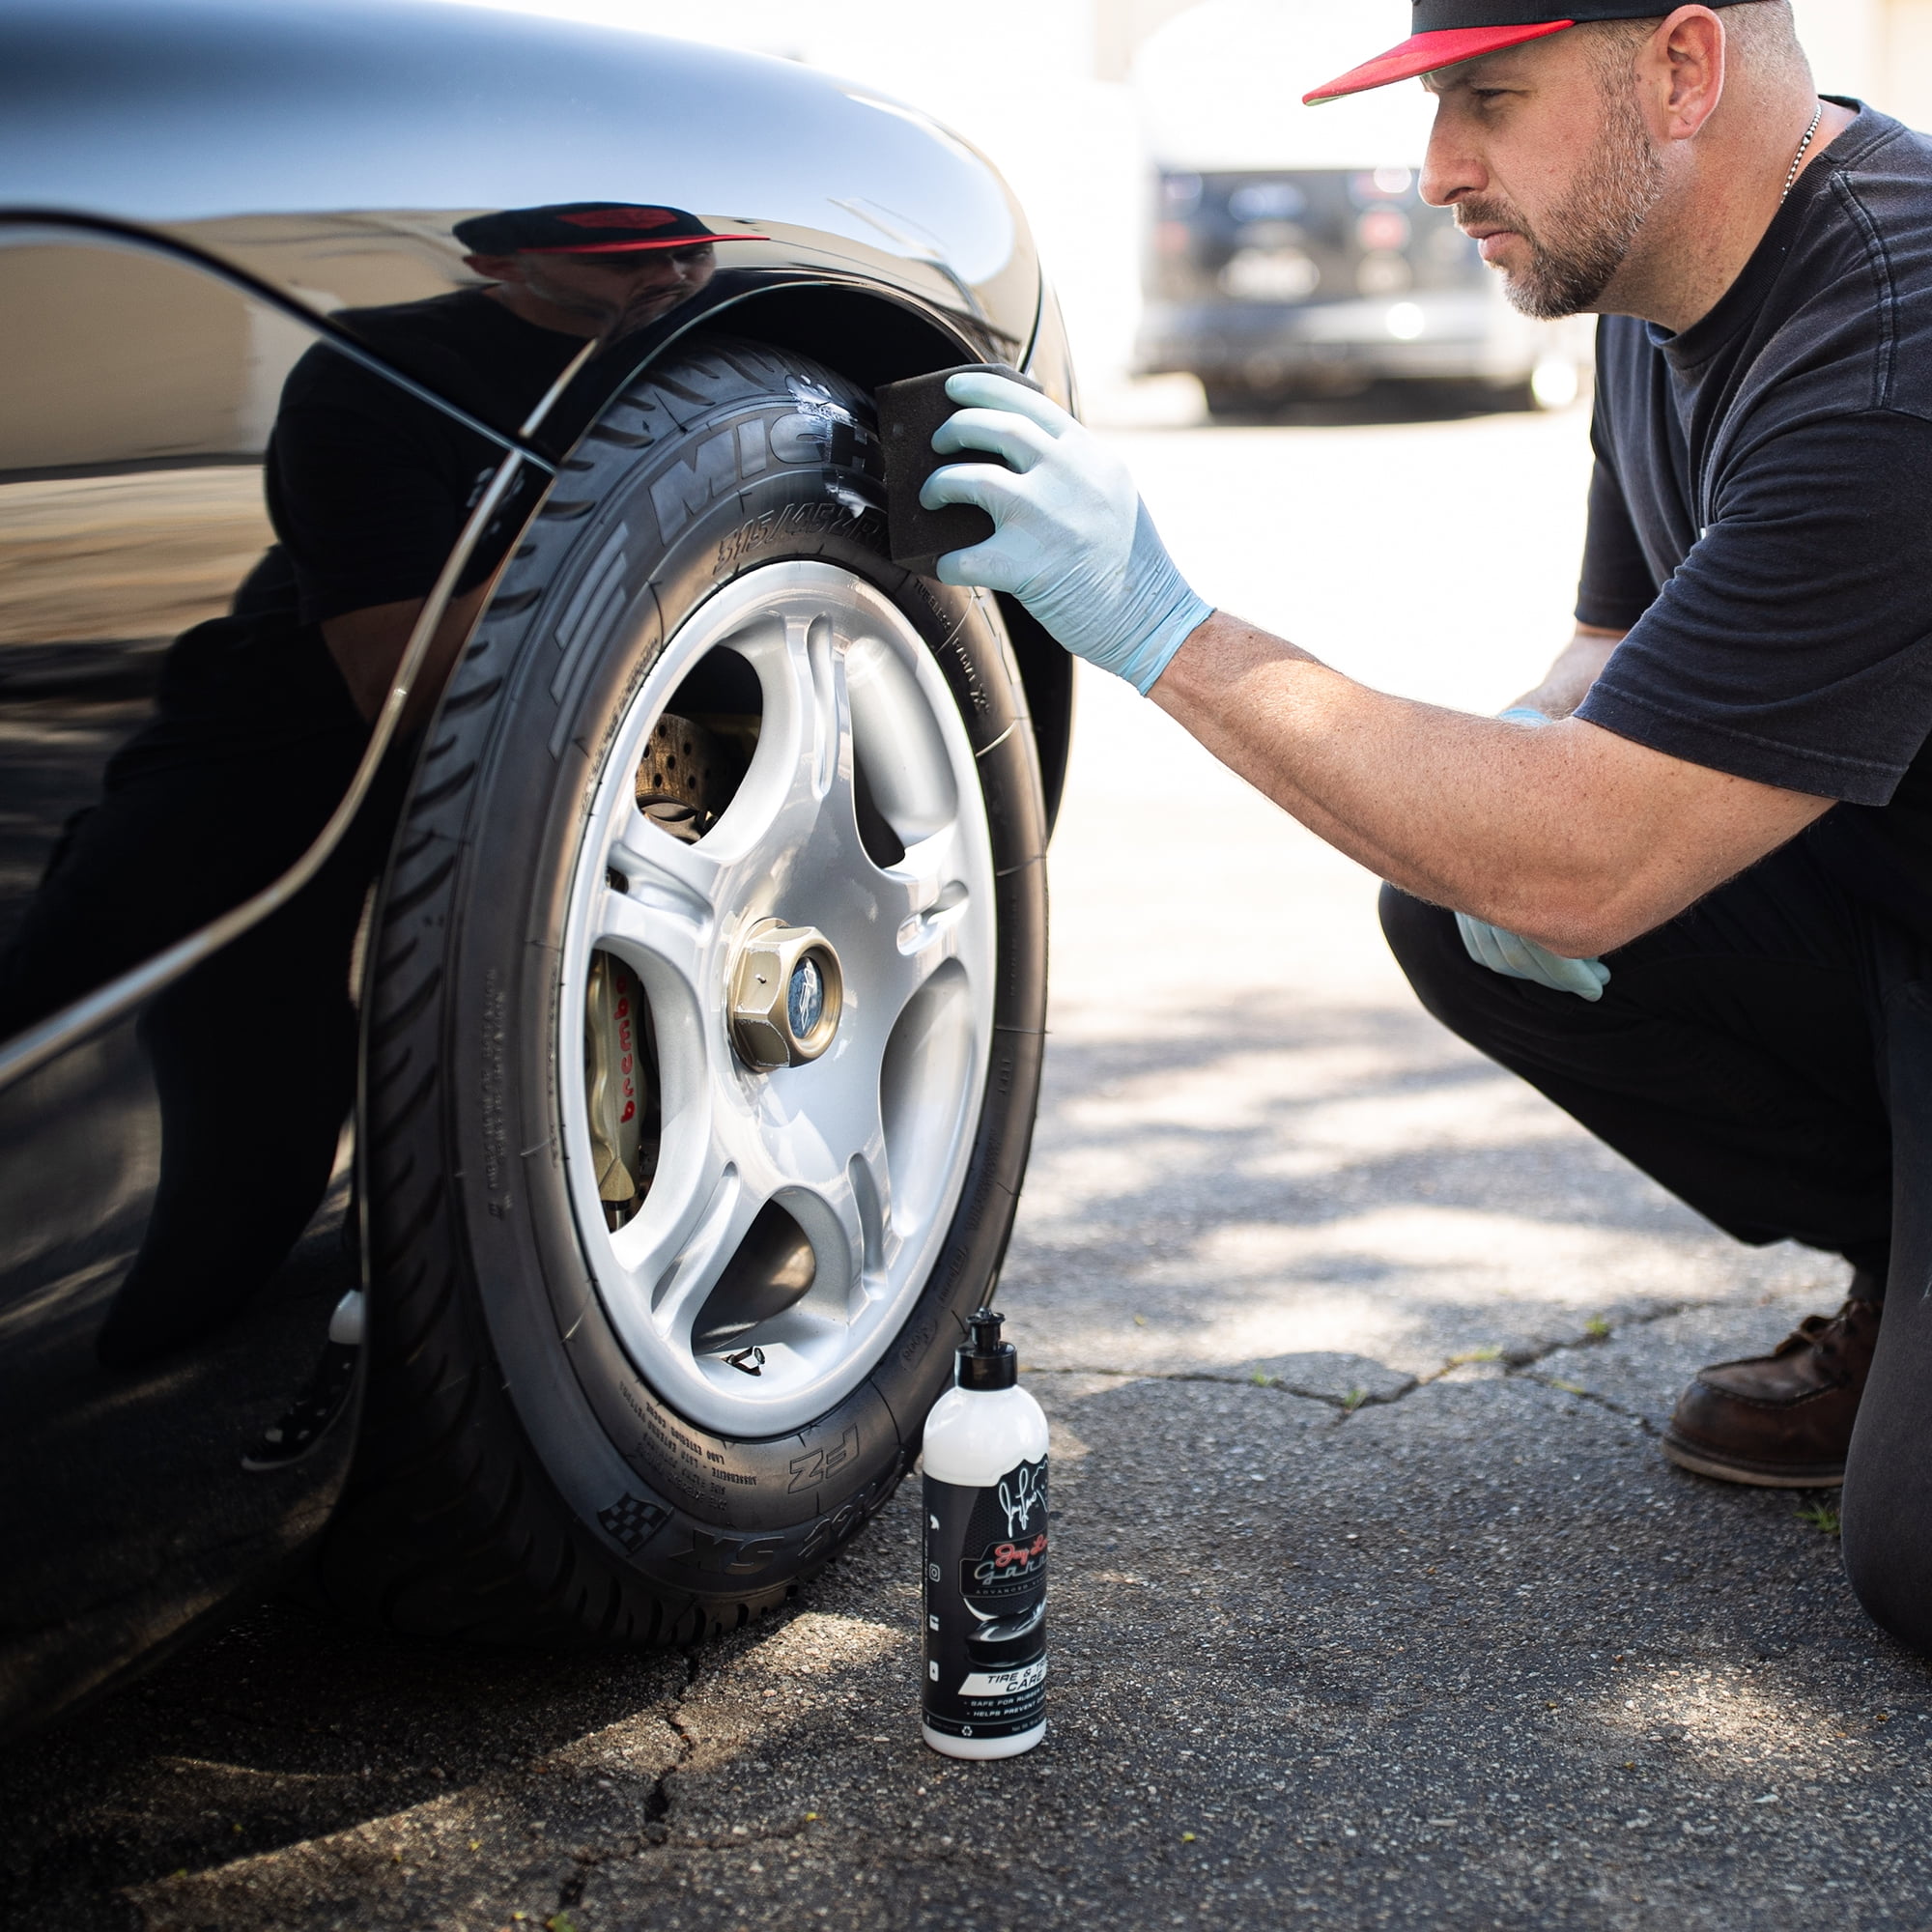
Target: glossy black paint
[246, 174]
[238, 125]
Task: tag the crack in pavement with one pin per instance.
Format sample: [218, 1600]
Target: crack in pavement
[1604, 1402]
[584, 1859]
[1514, 1364]
[1274, 1384]
[1521, 1368]
[657, 1804]
[587, 1859]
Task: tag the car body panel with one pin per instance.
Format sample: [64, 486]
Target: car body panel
[132, 410]
[329, 147]
[302, 162]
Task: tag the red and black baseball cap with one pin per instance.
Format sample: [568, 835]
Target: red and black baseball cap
[1448, 32]
[587, 228]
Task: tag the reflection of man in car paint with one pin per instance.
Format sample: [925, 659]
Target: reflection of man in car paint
[560, 276]
[262, 718]
[586, 287]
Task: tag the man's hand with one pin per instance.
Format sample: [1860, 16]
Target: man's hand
[1071, 539]
[1518, 958]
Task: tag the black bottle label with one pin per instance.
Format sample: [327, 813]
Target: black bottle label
[985, 1604]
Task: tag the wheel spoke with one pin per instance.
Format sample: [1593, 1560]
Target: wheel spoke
[898, 740]
[663, 876]
[655, 909]
[833, 1154]
[925, 889]
[818, 689]
[927, 905]
[675, 1256]
[841, 1220]
[801, 777]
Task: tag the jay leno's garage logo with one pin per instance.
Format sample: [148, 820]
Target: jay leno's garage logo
[1004, 1565]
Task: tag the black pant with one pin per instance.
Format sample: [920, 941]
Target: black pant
[1767, 1057]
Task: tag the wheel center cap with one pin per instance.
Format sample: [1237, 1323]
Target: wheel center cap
[804, 999]
[786, 996]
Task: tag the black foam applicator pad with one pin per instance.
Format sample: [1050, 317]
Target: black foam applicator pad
[909, 412]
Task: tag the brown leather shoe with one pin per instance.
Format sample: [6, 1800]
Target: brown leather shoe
[1782, 1421]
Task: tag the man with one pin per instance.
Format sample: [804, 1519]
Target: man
[1683, 888]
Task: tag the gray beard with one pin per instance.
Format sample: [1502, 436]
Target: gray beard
[1598, 222]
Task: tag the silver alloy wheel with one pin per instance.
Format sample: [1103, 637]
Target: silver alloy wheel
[866, 1148]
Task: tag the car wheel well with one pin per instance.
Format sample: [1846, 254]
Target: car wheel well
[873, 340]
[866, 337]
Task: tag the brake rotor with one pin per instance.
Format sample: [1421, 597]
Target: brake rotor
[686, 777]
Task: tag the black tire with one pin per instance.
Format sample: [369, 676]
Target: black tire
[516, 1480]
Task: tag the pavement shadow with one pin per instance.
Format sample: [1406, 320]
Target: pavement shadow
[285, 1726]
[1343, 1178]
[1416, 1061]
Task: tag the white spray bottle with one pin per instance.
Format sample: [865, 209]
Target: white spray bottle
[985, 1557]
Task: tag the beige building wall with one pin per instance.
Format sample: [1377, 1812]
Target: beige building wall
[1119, 26]
[1880, 50]
[1904, 87]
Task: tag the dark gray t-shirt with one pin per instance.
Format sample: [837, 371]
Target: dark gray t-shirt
[1761, 517]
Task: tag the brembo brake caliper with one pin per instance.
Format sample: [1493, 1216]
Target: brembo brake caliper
[685, 779]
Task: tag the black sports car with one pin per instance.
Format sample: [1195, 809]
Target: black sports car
[522, 935]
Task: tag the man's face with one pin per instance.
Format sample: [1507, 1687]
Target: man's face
[618, 292]
[1549, 166]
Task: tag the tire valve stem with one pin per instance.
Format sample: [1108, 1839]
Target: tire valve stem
[752, 1360]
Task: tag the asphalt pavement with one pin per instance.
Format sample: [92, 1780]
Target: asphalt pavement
[1373, 1604]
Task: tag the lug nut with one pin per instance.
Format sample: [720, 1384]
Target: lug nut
[786, 993]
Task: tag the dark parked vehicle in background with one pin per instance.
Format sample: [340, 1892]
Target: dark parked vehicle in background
[1274, 286]
[522, 934]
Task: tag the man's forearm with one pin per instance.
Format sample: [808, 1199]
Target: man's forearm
[1564, 833]
[1389, 781]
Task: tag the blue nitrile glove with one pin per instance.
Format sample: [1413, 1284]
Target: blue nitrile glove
[1518, 958]
[1071, 539]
